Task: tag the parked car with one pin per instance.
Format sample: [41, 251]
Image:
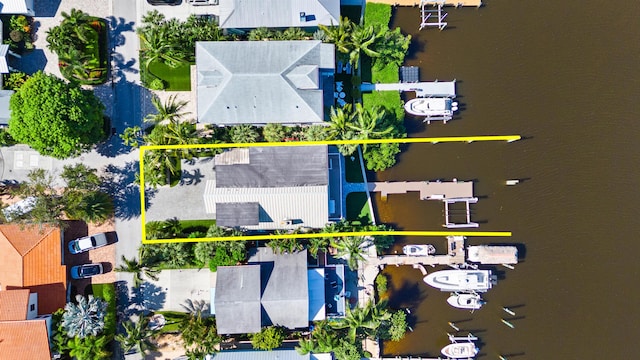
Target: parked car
[86, 271]
[87, 243]
[165, 2]
[202, 2]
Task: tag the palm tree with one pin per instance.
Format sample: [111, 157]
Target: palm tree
[274, 132]
[315, 133]
[139, 269]
[350, 247]
[154, 45]
[355, 322]
[171, 110]
[244, 133]
[362, 40]
[89, 348]
[294, 34]
[339, 35]
[317, 244]
[84, 318]
[261, 33]
[366, 123]
[137, 335]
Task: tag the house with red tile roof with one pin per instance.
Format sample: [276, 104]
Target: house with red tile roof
[32, 258]
[23, 334]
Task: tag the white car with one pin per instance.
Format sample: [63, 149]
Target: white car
[87, 243]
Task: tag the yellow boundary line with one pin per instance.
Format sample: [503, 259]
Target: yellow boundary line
[434, 140]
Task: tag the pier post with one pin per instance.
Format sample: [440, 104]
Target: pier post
[454, 326]
[509, 311]
[507, 323]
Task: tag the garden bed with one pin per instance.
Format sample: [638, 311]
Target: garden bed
[94, 68]
[174, 79]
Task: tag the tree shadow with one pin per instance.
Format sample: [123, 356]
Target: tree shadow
[117, 26]
[188, 178]
[120, 183]
[148, 297]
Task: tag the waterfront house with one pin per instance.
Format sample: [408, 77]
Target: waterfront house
[278, 354]
[23, 334]
[261, 82]
[274, 289]
[31, 258]
[269, 188]
[242, 15]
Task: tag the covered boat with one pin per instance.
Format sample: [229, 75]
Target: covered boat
[460, 280]
[465, 301]
[486, 254]
[465, 350]
[418, 250]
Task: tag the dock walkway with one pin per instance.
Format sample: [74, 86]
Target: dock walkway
[429, 190]
[422, 89]
[457, 3]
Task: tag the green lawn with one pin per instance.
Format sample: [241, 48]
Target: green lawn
[178, 79]
[377, 14]
[173, 319]
[358, 208]
[190, 226]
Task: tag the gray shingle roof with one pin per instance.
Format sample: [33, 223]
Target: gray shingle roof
[237, 299]
[247, 14]
[237, 214]
[277, 167]
[282, 288]
[260, 82]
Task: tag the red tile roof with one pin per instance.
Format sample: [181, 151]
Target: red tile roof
[31, 257]
[24, 340]
[13, 304]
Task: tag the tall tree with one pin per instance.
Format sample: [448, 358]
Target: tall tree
[170, 110]
[351, 247]
[84, 318]
[55, 118]
[137, 335]
[244, 133]
[140, 269]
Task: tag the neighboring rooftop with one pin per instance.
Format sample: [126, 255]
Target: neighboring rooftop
[270, 188]
[271, 290]
[260, 82]
[14, 304]
[248, 14]
[32, 259]
[5, 112]
[23, 7]
[24, 340]
[278, 354]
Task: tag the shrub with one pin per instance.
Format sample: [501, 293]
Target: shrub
[16, 35]
[381, 283]
[14, 80]
[157, 84]
[268, 338]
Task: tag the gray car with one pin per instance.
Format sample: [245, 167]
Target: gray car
[86, 271]
[87, 243]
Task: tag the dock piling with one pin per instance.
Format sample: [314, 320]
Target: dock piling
[454, 326]
[509, 311]
[507, 323]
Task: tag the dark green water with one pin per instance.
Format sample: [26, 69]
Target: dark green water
[564, 75]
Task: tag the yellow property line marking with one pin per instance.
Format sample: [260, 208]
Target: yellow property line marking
[339, 234]
[433, 140]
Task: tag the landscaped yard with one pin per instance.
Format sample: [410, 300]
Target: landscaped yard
[175, 79]
[358, 208]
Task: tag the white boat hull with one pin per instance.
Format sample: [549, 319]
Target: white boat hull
[464, 350]
[429, 107]
[418, 250]
[465, 301]
[460, 280]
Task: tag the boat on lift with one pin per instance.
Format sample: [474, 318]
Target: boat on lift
[419, 250]
[469, 301]
[466, 350]
[460, 280]
[432, 108]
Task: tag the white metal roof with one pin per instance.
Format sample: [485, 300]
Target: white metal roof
[247, 14]
[16, 7]
[307, 205]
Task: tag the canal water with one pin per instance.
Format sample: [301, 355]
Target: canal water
[565, 76]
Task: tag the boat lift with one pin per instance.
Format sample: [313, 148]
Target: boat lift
[425, 14]
[447, 215]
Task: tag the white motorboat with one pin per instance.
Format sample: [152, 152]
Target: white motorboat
[460, 280]
[464, 350]
[431, 107]
[465, 301]
[418, 250]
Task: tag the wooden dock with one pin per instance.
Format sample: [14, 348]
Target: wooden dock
[455, 256]
[416, 3]
[422, 89]
[429, 190]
